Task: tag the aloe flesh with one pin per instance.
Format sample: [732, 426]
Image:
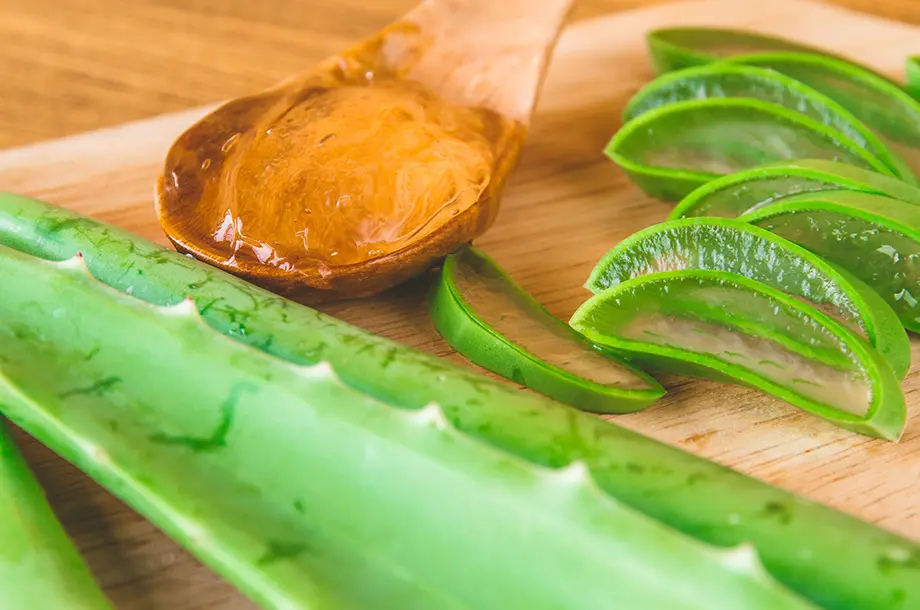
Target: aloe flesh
[873, 99]
[672, 150]
[741, 192]
[875, 238]
[742, 81]
[835, 560]
[723, 326]
[39, 565]
[732, 246]
[482, 314]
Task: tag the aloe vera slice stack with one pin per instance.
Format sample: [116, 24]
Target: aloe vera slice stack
[39, 565]
[732, 246]
[733, 195]
[482, 314]
[831, 558]
[740, 81]
[875, 238]
[671, 150]
[726, 327]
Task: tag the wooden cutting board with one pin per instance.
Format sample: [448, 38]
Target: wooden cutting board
[565, 207]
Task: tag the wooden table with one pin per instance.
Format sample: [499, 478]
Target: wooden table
[75, 65]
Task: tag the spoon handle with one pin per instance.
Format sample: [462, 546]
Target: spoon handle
[482, 53]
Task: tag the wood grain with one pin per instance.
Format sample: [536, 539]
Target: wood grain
[564, 208]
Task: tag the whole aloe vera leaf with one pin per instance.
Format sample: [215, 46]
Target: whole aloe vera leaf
[670, 151]
[724, 326]
[873, 99]
[723, 244]
[725, 80]
[684, 47]
[485, 316]
[309, 494]
[836, 560]
[39, 565]
[733, 195]
[873, 237]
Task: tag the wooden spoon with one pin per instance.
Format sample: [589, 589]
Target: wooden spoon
[371, 167]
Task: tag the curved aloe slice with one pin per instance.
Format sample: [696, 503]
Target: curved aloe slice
[875, 238]
[308, 493]
[483, 315]
[678, 48]
[727, 327]
[876, 101]
[672, 150]
[39, 565]
[733, 246]
[912, 70]
[733, 195]
[826, 555]
[724, 80]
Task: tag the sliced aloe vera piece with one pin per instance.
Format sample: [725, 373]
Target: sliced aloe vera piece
[672, 150]
[724, 326]
[875, 238]
[826, 555]
[873, 99]
[310, 494]
[684, 47]
[912, 71]
[39, 565]
[733, 246]
[722, 80]
[733, 195]
[485, 316]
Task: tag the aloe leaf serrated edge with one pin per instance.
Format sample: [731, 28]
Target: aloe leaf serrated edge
[457, 320]
[834, 559]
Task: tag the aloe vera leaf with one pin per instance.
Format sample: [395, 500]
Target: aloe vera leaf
[485, 316]
[684, 47]
[733, 195]
[837, 561]
[875, 238]
[724, 80]
[672, 150]
[724, 326]
[912, 71]
[39, 565]
[307, 493]
[733, 246]
[873, 99]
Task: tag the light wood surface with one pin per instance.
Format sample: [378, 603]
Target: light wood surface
[565, 206]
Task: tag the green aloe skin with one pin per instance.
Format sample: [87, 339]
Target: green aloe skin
[482, 314]
[39, 565]
[832, 559]
[912, 70]
[307, 493]
[671, 150]
[875, 238]
[722, 80]
[726, 327]
[732, 246]
[879, 102]
[746, 191]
